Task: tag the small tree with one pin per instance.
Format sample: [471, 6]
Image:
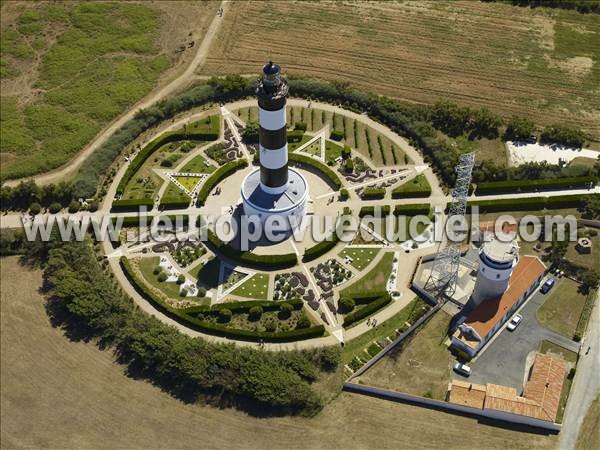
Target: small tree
[303, 322]
[162, 277]
[225, 315]
[35, 208]
[201, 291]
[285, 310]
[349, 166]
[250, 133]
[255, 313]
[519, 128]
[344, 194]
[183, 292]
[181, 279]
[74, 206]
[346, 304]
[54, 208]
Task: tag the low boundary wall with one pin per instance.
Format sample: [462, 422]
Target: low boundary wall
[452, 407]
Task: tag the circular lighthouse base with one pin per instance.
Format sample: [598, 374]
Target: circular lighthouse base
[287, 207]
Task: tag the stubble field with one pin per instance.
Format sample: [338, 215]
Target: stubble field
[541, 63]
[58, 393]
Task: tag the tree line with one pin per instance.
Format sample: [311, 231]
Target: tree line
[86, 300]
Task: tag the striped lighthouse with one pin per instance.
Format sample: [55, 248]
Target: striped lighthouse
[274, 192]
[271, 91]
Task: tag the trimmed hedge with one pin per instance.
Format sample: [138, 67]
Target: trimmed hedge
[370, 210]
[164, 138]
[243, 306]
[531, 203]
[372, 193]
[413, 189]
[217, 176]
[269, 262]
[173, 203]
[134, 221]
[501, 187]
[412, 210]
[321, 248]
[336, 135]
[329, 174]
[131, 204]
[183, 315]
[367, 310]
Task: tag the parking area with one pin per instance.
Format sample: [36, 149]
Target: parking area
[503, 360]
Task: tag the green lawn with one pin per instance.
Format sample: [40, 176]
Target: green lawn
[361, 257]
[292, 146]
[198, 164]
[147, 266]
[382, 330]
[376, 279]
[313, 149]
[417, 187]
[332, 151]
[102, 61]
[174, 193]
[562, 309]
[421, 366]
[255, 287]
[188, 182]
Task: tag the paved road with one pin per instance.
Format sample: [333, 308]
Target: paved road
[503, 360]
[586, 385]
[177, 84]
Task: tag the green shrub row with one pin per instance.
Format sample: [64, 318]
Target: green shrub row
[217, 176]
[500, 187]
[134, 221]
[412, 210]
[329, 174]
[270, 262]
[212, 328]
[244, 306]
[131, 204]
[321, 248]
[531, 203]
[336, 135]
[367, 310]
[173, 203]
[370, 193]
[384, 210]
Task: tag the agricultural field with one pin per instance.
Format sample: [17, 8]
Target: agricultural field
[70, 68]
[39, 360]
[540, 63]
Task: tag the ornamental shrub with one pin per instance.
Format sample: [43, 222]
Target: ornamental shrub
[225, 315]
[35, 208]
[54, 208]
[346, 304]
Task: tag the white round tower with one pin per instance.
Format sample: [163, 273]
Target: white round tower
[496, 262]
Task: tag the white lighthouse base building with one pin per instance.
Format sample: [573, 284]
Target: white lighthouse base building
[288, 206]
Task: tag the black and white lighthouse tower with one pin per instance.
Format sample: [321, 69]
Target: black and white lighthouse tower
[274, 189]
[271, 91]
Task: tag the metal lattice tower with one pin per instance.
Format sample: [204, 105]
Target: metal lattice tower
[444, 273]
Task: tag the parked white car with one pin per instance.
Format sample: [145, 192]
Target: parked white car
[514, 322]
[462, 369]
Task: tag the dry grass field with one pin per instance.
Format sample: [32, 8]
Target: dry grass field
[589, 433]
[58, 393]
[540, 63]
